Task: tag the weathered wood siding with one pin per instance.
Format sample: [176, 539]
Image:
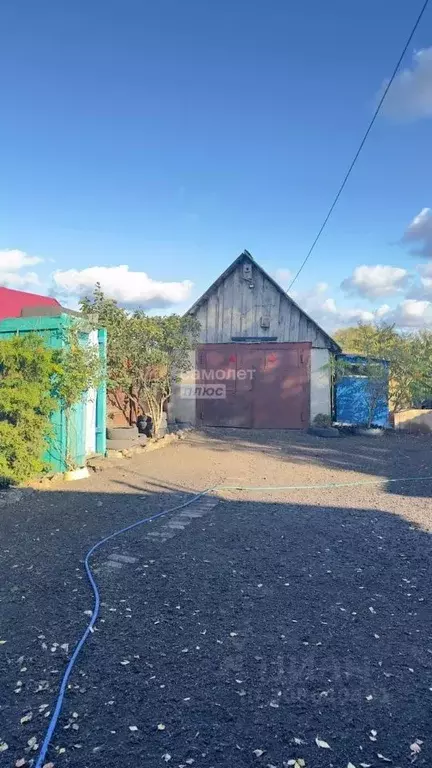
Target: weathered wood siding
[235, 309]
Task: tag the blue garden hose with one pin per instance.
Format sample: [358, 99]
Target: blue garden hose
[62, 690]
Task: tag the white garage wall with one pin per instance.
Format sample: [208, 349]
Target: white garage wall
[320, 382]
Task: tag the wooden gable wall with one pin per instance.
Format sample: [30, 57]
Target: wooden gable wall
[232, 308]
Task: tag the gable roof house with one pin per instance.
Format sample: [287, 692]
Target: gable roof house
[261, 362]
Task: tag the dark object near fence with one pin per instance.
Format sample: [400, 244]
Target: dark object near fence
[145, 425]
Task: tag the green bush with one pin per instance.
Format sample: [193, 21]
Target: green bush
[79, 368]
[27, 368]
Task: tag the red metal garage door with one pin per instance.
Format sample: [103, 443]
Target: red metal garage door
[254, 385]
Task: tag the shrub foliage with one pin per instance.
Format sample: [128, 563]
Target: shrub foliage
[34, 382]
[27, 368]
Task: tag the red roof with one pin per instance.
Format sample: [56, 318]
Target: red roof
[12, 302]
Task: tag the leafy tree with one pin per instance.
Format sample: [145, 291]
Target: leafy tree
[107, 314]
[413, 375]
[380, 340]
[159, 352]
[35, 381]
[409, 356]
[27, 368]
[79, 369]
[145, 354]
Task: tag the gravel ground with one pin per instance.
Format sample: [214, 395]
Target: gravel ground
[238, 635]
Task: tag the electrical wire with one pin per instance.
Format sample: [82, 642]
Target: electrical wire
[362, 143]
[90, 626]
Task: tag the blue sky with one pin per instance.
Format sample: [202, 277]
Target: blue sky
[170, 136]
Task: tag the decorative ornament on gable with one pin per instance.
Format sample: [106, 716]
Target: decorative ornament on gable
[247, 270]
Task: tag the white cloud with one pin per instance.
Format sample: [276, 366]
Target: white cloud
[350, 315]
[329, 305]
[11, 262]
[409, 313]
[422, 288]
[412, 313]
[427, 285]
[425, 280]
[376, 280]
[18, 280]
[426, 269]
[410, 95]
[419, 233]
[133, 289]
[310, 297]
[283, 277]
[325, 311]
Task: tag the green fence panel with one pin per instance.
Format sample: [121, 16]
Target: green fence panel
[67, 438]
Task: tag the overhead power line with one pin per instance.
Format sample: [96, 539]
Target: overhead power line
[362, 143]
